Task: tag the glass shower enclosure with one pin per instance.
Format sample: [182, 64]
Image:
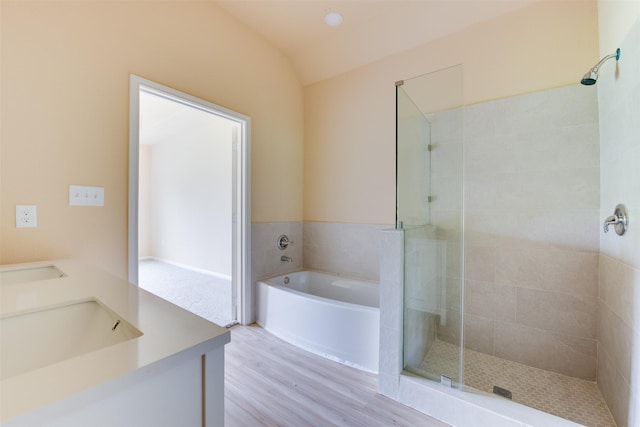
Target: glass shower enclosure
[528, 332]
[429, 210]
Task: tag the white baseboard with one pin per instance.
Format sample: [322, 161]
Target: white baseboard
[188, 267]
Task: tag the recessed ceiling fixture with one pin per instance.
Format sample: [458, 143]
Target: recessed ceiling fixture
[333, 19]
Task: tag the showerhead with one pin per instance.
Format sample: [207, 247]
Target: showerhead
[592, 75]
[589, 78]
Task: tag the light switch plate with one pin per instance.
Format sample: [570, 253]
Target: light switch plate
[81, 195]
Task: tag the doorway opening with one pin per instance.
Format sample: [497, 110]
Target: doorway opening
[189, 216]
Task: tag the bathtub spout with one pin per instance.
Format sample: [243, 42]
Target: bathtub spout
[285, 258]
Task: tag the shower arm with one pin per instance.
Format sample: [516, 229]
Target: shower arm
[605, 59]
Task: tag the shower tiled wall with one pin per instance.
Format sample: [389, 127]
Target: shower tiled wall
[532, 195]
[265, 254]
[348, 249]
[619, 286]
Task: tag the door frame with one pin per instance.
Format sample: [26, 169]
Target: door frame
[242, 207]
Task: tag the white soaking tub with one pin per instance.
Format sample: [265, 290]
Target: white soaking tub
[326, 314]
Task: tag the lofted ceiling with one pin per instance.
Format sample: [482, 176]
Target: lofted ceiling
[371, 29]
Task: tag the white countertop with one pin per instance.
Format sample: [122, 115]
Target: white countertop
[169, 332]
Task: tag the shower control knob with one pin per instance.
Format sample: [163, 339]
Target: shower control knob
[284, 242]
[619, 220]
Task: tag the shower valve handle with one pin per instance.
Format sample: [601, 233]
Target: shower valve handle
[611, 220]
[619, 220]
[284, 242]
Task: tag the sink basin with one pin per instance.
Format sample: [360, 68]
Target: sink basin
[35, 339]
[29, 274]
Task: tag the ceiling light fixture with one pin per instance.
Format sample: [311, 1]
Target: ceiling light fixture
[333, 19]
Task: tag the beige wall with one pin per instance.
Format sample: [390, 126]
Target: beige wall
[615, 19]
[619, 286]
[65, 106]
[349, 129]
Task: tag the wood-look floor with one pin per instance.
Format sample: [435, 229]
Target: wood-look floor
[272, 383]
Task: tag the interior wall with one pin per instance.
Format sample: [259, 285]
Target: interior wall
[349, 154]
[65, 101]
[619, 285]
[191, 182]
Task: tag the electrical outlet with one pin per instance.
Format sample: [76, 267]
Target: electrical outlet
[26, 216]
[80, 195]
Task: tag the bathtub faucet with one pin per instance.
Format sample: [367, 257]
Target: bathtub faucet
[285, 258]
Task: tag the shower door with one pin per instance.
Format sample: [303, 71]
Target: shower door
[429, 210]
[413, 156]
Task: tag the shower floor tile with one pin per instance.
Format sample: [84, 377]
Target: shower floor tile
[574, 399]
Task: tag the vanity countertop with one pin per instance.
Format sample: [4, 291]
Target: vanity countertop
[170, 334]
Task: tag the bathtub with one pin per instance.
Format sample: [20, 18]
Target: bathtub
[332, 316]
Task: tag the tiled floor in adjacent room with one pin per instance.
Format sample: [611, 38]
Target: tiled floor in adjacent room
[571, 398]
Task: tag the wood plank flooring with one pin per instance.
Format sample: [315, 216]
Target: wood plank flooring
[272, 383]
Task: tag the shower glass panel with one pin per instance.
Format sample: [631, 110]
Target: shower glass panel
[413, 189]
[429, 202]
